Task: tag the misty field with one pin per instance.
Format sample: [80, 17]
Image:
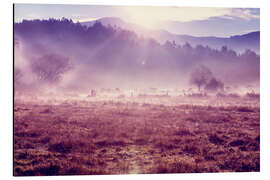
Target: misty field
[126, 137]
[106, 90]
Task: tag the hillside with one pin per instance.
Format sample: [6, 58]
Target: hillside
[237, 42]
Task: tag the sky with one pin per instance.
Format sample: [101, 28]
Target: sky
[238, 20]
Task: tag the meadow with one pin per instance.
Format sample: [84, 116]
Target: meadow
[132, 137]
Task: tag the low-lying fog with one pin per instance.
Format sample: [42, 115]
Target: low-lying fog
[58, 59]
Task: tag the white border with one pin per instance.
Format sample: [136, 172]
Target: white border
[6, 83]
[192, 3]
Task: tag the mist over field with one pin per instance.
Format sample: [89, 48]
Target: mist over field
[109, 96]
[67, 56]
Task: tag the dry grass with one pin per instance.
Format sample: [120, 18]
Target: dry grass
[122, 138]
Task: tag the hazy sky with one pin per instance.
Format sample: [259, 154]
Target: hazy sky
[241, 20]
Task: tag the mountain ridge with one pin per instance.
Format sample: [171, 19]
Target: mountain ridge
[239, 42]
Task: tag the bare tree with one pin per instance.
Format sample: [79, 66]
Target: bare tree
[200, 76]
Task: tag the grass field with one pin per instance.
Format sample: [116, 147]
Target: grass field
[106, 137]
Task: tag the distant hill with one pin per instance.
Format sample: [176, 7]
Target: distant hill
[239, 42]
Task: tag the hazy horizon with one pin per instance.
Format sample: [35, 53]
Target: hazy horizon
[220, 22]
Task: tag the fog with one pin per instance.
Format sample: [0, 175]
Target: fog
[59, 56]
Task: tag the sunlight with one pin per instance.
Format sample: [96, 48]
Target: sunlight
[114, 97]
[150, 17]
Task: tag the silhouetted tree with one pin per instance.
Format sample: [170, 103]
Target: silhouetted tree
[214, 85]
[50, 67]
[224, 49]
[200, 76]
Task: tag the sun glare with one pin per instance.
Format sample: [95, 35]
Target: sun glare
[150, 16]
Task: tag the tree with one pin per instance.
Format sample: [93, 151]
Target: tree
[200, 76]
[224, 49]
[51, 67]
[214, 85]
